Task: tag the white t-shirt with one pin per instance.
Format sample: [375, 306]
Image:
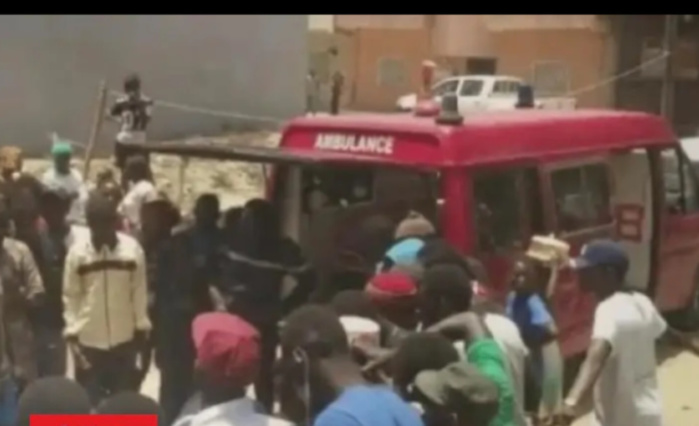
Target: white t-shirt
[239, 412]
[626, 392]
[130, 206]
[72, 183]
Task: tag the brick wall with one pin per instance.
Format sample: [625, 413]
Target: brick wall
[407, 47]
[587, 55]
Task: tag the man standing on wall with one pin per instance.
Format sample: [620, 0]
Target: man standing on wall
[336, 84]
[133, 111]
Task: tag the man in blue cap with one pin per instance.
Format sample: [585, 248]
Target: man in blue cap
[63, 177]
[620, 365]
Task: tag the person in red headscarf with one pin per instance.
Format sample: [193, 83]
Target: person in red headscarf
[227, 362]
[394, 294]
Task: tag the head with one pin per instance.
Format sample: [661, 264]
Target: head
[130, 403]
[395, 296]
[23, 198]
[438, 251]
[227, 355]
[526, 275]
[415, 225]
[602, 266]
[62, 153]
[231, 217]
[10, 161]
[158, 217]
[446, 290]
[52, 395]
[54, 205]
[132, 85]
[457, 390]
[315, 358]
[417, 353]
[137, 168]
[102, 218]
[207, 210]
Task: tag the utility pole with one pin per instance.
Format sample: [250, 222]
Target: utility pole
[667, 94]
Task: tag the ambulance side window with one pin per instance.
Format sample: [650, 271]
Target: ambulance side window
[496, 199]
[582, 197]
[680, 183]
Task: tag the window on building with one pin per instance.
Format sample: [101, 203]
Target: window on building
[481, 66]
[680, 183]
[550, 78]
[581, 196]
[392, 72]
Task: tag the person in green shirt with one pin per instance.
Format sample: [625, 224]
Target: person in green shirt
[483, 353]
[447, 296]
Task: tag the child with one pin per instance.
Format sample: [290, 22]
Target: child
[527, 309]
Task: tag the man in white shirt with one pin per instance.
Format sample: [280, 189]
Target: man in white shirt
[61, 176]
[141, 190]
[227, 360]
[105, 303]
[620, 366]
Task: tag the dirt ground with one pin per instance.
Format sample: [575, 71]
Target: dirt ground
[237, 182]
[234, 182]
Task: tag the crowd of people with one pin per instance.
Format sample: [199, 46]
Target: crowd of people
[113, 275]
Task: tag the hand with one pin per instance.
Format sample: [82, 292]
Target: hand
[377, 360]
[81, 362]
[141, 339]
[565, 415]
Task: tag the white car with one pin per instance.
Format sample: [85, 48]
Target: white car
[483, 93]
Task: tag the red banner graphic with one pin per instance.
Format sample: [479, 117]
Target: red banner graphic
[93, 420]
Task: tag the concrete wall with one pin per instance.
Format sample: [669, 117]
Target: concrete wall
[254, 64]
[394, 22]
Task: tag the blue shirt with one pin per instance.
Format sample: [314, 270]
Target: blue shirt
[530, 314]
[369, 406]
[403, 252]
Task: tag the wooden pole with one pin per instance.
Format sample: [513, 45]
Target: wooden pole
[97, 120]
[667, 96]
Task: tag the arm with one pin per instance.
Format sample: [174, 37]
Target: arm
[33, 286]
[464, 326]
[139, 291]
[597, 356]
[72, 294]
[114, 113]
[603, 335]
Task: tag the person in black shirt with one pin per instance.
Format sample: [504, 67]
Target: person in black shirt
[56, 236]
[133, 112]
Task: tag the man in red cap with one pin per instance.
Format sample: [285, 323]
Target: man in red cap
[227, 362]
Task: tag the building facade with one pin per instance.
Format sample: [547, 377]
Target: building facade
[559, 54]
[52, 65]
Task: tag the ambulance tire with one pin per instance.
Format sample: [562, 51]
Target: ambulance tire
[687, 319]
